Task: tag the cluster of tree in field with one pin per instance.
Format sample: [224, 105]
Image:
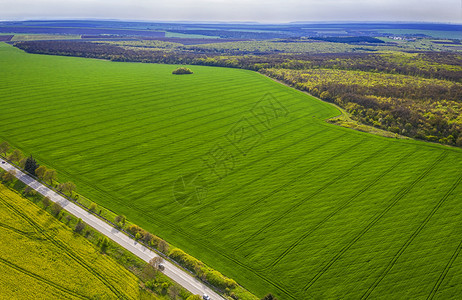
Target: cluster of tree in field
[182, 71]
[415, 94]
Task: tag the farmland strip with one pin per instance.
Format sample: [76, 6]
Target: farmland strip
[445, 272]
[410, 240]
[395, 200]
[61, 246]
[274, 221]
[340, 208]
[40, 278]
[285, 163]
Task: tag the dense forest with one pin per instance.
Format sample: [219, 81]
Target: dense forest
[414, 94]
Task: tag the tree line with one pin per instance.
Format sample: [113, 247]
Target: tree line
[426, 104]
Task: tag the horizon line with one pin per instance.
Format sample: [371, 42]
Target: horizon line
[230, 22]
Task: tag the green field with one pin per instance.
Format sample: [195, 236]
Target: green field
[43, 259]
[281, 201]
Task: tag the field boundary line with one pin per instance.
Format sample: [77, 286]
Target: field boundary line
[59, 244]
[135, 121]
[169, 143]
[27, 234]
[411, 239]
[106, 97]
[259, 178]
[341, 207]
[445, 272]
[198, 157]
[42, 279]
[398, 196]
[115, 197]
[272, 222]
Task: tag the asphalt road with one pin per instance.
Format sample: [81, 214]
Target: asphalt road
[183, 278]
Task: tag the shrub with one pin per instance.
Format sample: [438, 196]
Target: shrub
[230, 283]
[186, 260]
[68, 218]
[92, 207]
[459, 141]
[119, 225]
[16, 156]
[120, 219]
[182, 70]
[56, 208]
[104, 243]
[325, 96]
[217, 279]
[46, 202]
[155, 240]
[134, 229]
[173, 292]
[28, 191]
[80, 226]
[163, 246]
[269, 297]
[40, 172]
[9, 176]
[30, 165]
[4, 147]
[147, 238]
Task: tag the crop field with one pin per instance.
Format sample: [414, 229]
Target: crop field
[37, 37]
[245, 174]
[41, 258]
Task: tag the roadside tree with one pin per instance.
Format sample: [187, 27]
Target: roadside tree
[31, 165]
[163, 246]
[50, 175]
[56, 208]
[67, 187]
[16, 156]
[120, 219]
[174, 292]
[40, 172]
[80, 226]
[46, 202]
[9, 176]
[155, 262]
[104, 244]
[28, 191]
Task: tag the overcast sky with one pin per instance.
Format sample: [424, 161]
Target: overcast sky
[236, 10]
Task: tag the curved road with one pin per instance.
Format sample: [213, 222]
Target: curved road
[182, 277]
